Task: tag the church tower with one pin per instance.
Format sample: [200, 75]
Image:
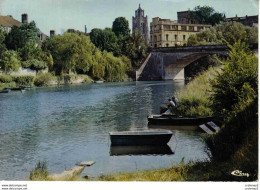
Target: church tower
[140, 22]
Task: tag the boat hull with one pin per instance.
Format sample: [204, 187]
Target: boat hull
[174, 120]
[119, 150]
[140, 139]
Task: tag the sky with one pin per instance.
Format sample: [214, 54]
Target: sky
[60, 15]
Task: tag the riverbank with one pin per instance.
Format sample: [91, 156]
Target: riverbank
[46, 79]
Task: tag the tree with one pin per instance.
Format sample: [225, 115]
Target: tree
[225, 32]
[121, 27]
[135, 48]
[19, 36]
[9, 61]
[70, 52]
[2, 39]
[237, 85]
[105, 40]
[75, 31]
[206, 15]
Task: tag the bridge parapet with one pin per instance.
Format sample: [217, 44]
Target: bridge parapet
[202, 48]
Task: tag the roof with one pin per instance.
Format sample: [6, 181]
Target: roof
[9, 21]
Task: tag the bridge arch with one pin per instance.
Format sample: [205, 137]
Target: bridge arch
[167, 62]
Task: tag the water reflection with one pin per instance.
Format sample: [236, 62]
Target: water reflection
[140, 150]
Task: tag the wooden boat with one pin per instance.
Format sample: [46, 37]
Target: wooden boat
[176, 120]
[148, 137]
[119, 150]
[4, 91]
[17, 88]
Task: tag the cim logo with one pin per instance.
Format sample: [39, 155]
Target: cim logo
[239, 173]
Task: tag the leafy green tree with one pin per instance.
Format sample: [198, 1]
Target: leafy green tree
[225, 32]
[19, 36]
[135, 48]
[105, 40]
[75, 31]
[238, 83]
[121, 27]
[29, 51]
[206, 15]
[9, 61]
[2, 39]
[70, 52]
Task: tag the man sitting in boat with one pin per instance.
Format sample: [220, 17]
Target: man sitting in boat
[171, 104]
[175, 100]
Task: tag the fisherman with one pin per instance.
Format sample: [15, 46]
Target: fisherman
[171, 104]
[175, 100]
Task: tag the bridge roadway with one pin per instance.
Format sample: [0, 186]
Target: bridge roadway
[168, 63]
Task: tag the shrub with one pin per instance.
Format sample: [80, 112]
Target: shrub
[24, 80]
[40, 172]
[6, 78]
[10, 61]
[43, 79]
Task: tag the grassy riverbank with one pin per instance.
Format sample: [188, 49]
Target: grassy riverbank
[46, 79]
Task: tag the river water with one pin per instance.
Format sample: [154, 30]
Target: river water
[70, 124]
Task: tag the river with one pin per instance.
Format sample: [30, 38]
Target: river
[69, 124]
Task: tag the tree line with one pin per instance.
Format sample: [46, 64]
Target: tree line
[106, 54]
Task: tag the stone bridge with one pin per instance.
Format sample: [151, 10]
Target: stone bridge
[168, 63]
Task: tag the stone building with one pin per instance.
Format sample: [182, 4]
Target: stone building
[140, 23]
[183, 18]
[7, 22]
[168, 33]
[246, 20]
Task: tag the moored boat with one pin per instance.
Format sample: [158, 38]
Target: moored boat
[17, 88]
[176, 120]
[4, 91]
[148, 137]
[119, 150]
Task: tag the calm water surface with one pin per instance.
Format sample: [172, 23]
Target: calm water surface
[70, 124]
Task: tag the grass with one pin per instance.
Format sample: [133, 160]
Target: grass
[194, 99]
[40, 172]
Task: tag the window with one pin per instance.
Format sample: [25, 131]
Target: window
[166, 27]
[184, 37]
[155, 38]
[175, 37]
[174, 27]
[151, 38]
[167, 45]
[159, 38]
[183, 28]
[167, 37]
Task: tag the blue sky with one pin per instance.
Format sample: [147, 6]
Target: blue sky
[63, 14]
